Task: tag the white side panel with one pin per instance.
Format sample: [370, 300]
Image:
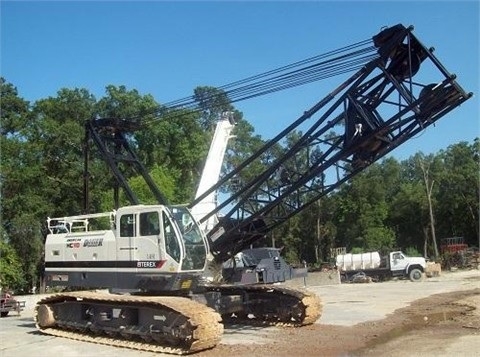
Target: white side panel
[85, 246]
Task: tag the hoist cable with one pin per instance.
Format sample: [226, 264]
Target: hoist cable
[296, 74]
[275, 71]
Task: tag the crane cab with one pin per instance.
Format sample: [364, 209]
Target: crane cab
[141, 247]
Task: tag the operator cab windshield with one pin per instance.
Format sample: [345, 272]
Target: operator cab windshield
[195, 247]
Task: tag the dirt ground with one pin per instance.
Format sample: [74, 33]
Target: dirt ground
[438, 317]
[426, 325]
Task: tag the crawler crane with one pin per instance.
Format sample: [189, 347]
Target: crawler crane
[159, 252]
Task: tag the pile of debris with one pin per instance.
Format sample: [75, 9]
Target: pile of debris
[360, 277]
[464, 259]
[433, 269]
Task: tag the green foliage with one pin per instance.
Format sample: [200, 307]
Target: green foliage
[459, 189]
[212, 103]
[126, 104]
[177, 145]
[408, 214]
[11, 276]
[379, 238]
[14, 110]
[289, 241]
[25, 237]
[363, 210]
[164, 177]
[412, 252]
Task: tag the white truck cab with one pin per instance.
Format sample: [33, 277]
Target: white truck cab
[401, 264]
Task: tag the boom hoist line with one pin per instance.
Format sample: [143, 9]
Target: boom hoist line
[343, 60]
[332, 63]
[384, 104]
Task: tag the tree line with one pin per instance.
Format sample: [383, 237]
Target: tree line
[410, 204]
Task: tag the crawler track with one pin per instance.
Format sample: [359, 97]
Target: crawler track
[274, 305]
[177, 325]
[166, 324]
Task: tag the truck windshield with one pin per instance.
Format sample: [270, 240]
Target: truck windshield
[195, 250]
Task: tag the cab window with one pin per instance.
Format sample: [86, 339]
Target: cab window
[172, 245]
[149, 224]
[127, 225]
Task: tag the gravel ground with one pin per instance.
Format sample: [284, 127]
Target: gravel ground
[436, 317]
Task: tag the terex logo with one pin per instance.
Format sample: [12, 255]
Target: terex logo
[146, 264]
[150, 264]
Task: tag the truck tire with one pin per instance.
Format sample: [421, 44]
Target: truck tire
[4, 313]
[415, 275]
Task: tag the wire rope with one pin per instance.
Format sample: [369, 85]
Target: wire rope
[333, 63]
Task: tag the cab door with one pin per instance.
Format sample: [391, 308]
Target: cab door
[149, 240]
[399, 262]
[126, 241]
[172, 245]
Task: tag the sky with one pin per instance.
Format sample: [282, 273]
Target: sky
[167, 49]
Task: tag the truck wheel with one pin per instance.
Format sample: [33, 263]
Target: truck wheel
[415, 274]
[4, 313]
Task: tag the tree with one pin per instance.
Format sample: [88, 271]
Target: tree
[119, 102]
[316, 231]
[26, 238]
[166, 178]
[459, 192]
[362, 212]
[424, 165]
[57, 132]
[11, 272]
[291, 240]
[407, 214]
[178, 140]
[14, 110]
[212, 102]
[41, 169]
[414, 206]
